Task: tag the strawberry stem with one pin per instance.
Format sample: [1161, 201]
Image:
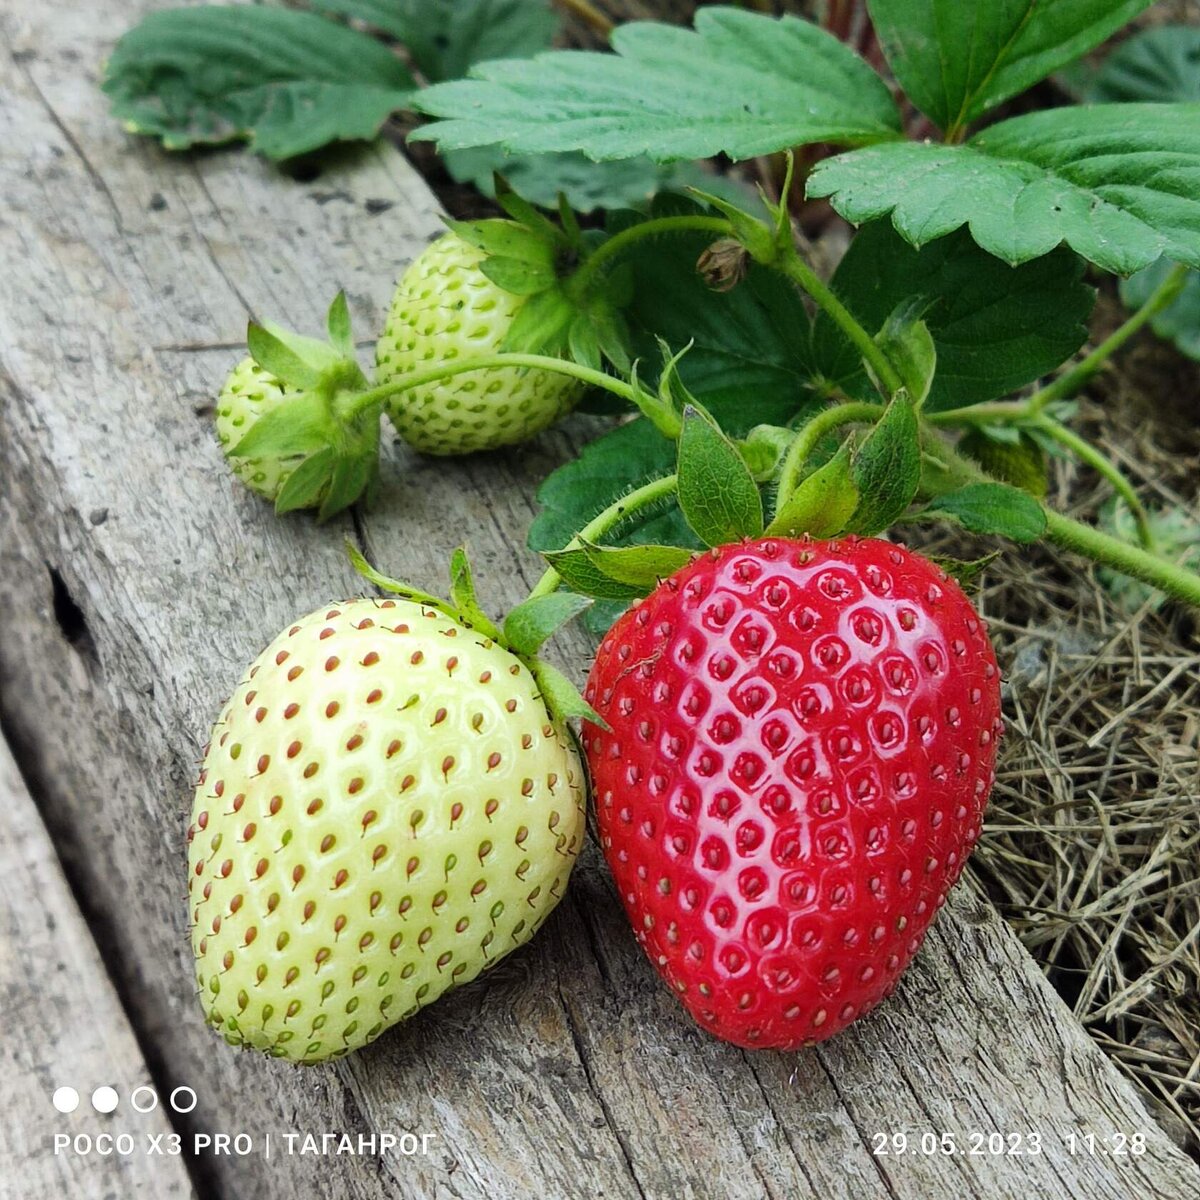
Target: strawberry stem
[642, 497]
[810, 435]
[357, 403]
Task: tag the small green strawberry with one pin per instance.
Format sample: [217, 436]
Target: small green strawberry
[387, 807]
[291, 423]
[444, 308]
[250, 393]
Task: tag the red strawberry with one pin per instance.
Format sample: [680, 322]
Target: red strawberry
[803, 739]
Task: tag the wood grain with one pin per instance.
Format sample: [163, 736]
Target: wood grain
[72, 1033]
[138, 580]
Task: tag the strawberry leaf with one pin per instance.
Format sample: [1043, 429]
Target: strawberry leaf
[305, 483]
[286, 81]
[956, 61]
[337, 324]
[1159, 65]
[717, 494]
[531, 623]
[741, 83]
[887, 468]
[823, 502]
[993, 508]
[994, 329]
[1120, 184]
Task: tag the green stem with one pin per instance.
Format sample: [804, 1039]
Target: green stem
[616, 245]
[488, 362]
[1068, 385]
[1130, 560]
[614, 514]
[1088, 453]
[808, 437]
[799, 272]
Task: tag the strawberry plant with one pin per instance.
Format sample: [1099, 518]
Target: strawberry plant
[791, 734]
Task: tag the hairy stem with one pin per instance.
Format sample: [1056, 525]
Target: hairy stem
[808, 437]
[487, 362]
[1088, 453]
[1068, 385]
[590, 14]
[1129, 560]
[799, 272]
[616, 245]
[648, 494]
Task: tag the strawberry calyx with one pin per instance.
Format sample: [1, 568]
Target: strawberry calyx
[524, 631]
[334, 438]
[531, 256]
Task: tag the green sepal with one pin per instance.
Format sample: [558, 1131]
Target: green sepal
[584, 344]
[337, 325]
[641, 567]
[908, 345]
[293, 359]
[562, 697]
[580, 573]
[659, 409]
[757, 237]
[498, 238]
[718, 496]
[963, 571]
[541, 325]
[300, 425]
[517, 276]
[462, 595]
[350, 477]
[531, 623]
[526, 214]
[822, 504]
[394, 587]
[993, 508]
[887, 468]
[305, 483]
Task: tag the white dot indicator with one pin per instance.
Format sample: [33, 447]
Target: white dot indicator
[105, 1099]
[65, 1099]
[144, 1099]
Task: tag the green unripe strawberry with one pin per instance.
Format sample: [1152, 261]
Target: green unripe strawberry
[445, 308]
[250, 393]
[385, 810]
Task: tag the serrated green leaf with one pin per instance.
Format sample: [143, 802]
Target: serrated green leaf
[446, 37]
[910, 348]
[642, 567]
[304, 485]
[337, 325]
[957, 60]
[531, 623]
[994, 508]
[462, 595]
[286, 81]
[822, 504]
[887, 469]
[300, 425]
[730, 86]
[1158, 65]
[1120, 184]
[1178, 323]
[995, 328]
[717, 494]
[541, 325]
[562, 697]
[583, 576]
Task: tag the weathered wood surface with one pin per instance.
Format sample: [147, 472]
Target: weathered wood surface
[127, 279]
[64, 1027]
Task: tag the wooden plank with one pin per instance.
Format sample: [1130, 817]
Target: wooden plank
[566, 1072]
[65, 1028]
